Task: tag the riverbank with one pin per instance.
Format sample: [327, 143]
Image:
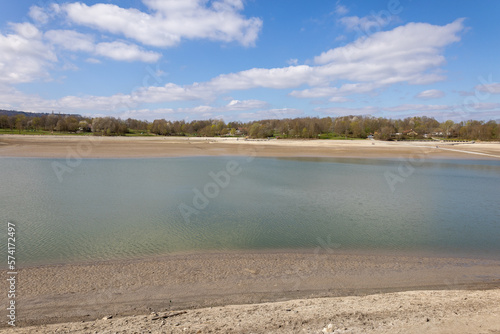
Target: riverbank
[447, 311]
[90, 291]
[150, 147]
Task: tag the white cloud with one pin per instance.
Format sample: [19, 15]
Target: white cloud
[456, 113]
[484, 106]
[341, 9]
[126, 52]
[172, 92]
[419, 107]
[420, 43]
[147, 114]
[293, 61]
[71, 40]
[210, 111]
[27, 54]
[493, 88]
[367, 24]
[170, 21]
[24, 57]
[271, 114]
[93, 61]
[38, 14]
[339, 99]
[341, 111]
[430, 94]
[42, 15]
[237, 105]
[336, 92]
[121, 51]
[278, 78]
[404, 54]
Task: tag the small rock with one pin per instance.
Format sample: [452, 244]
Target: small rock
[328, 329]
[107, 317]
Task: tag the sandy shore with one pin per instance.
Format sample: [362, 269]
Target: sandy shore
[141, 147]
[410, 312]
[91, 291]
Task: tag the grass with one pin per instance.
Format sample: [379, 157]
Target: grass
[335, 136]
[132, 133]
[139, 133]
[42, 133]
[453, 139]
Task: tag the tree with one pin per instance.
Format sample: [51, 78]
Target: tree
[447, 126]
[109, 126]
[385, 133]
[160, 127]
[4, 121]
[254, 130]
[20, 122]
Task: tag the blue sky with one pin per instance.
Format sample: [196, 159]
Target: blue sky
[253, 59]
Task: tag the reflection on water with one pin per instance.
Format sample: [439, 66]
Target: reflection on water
[124, 208]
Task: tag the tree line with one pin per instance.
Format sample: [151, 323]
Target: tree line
[348, 127]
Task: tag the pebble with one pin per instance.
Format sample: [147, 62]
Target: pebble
[328, 329]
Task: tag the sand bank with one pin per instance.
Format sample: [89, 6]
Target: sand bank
[90, 291]
[447, 311]
[143, 147]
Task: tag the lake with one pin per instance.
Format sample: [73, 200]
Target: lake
[103, 209]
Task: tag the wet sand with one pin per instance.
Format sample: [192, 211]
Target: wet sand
[90, 291]
[73, 147]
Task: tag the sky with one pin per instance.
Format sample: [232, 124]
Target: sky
[251, 59]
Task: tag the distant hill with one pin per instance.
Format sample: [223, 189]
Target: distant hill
[30, 114]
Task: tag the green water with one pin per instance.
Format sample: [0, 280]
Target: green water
[99, 209]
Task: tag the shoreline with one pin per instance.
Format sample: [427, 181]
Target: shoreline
[89, 291]
[154, 147]
[361, 252]
[410, 312]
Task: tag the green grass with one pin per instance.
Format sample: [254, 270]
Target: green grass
[335, 136]
[42, 133]
[453, 139]
[139, 133]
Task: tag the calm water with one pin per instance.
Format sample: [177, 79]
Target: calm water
[111, 209]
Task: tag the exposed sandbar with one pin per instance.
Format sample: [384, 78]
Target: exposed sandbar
[144, 147]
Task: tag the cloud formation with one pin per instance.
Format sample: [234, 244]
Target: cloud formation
[27, 53]
[170, 21]
[493, 88]
[403, 55]
[430, 94]
[126, 52]
[24, 57]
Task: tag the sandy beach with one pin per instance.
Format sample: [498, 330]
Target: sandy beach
[74, 147]
[85, 293]
[288, 291]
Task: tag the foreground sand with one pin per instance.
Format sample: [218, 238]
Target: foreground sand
[73, 147]
[446, 311]
[89, 291]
